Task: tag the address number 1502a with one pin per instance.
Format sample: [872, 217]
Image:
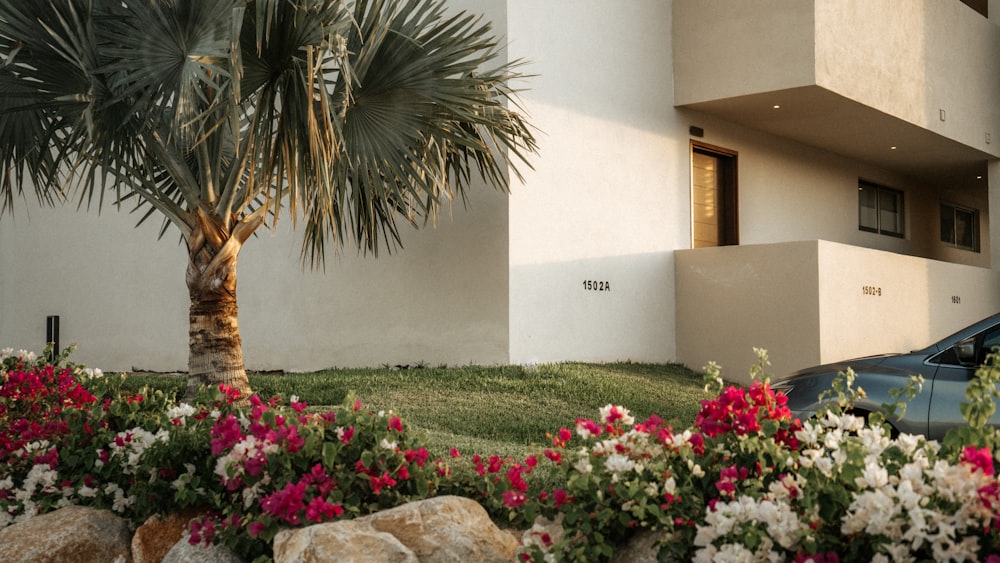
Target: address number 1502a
[593, 285]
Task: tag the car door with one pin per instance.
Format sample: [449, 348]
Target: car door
[955, 367]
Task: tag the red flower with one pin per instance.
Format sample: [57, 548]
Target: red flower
[561, 498]
[378, 483]
[395, 423]
[403, 473]
[418, 456]
[495, 463]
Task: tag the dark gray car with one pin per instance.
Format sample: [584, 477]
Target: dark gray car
[947, 366]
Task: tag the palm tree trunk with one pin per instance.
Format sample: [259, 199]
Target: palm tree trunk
[215, 353]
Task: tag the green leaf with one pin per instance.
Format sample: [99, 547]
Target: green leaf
[329, 455]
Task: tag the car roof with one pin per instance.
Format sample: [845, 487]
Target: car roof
[962, 334]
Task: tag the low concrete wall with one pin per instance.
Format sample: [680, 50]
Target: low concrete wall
[813, 302]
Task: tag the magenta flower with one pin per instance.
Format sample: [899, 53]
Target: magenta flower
[513, 499]
[981, 458]
[225, 434]
[396, 423]
[286, 503]
[319, 510]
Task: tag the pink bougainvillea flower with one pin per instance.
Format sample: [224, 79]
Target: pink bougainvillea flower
[385, 481]
[562, 438]
[513, 499]
[319, 510]
[256, 528]
[403, 473]
[496, 462]
[225, 433]
[979, 457]
[345, 434]
[561, 498]
[587, 428]
[287, 503]
[418, 456]
[396, 423]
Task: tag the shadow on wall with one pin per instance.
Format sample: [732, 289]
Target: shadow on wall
[595, 309]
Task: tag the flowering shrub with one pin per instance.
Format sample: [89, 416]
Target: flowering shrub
[746, 482]
[281, 466]
[749, 483]
[68, 435]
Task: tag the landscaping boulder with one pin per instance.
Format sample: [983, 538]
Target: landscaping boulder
[348, 541]
[67, 535]
[643, 547]
[184, 552]
[157, 535]
[440, 529]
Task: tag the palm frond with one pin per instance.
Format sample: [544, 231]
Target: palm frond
[423, 110]
[357, 120]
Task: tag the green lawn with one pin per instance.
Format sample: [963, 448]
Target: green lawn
[501, 409]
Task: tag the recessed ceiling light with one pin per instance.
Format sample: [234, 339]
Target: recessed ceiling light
[776, 106]
[979, 177]
[892, 148]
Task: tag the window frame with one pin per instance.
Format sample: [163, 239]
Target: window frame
[882, 193]
[955, 209]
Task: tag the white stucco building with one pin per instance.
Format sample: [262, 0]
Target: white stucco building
[814, 177]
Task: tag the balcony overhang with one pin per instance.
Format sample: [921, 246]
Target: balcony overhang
[817, 117]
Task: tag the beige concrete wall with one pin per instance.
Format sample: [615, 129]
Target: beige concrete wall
[912, 61]
[732, 48]
[814, 302]
[121, 296]
[608, 198]
[735, 298]
[874, 302]
[909, 60]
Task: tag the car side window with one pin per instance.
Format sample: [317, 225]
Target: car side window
[962, 354]
[991, 340]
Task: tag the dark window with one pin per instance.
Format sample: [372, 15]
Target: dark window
[960, 227]
[880, 209]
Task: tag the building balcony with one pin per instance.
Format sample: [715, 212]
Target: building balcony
[912, 89]
[814, 302]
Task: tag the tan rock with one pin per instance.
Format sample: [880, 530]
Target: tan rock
[643, 547]
[441, 529]
[67, 535]
[348, 541]
[156, 536]
[447, 528]
[184, 552]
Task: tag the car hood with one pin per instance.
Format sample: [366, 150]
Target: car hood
[882, 363]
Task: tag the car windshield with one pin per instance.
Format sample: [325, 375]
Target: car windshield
[962, 334]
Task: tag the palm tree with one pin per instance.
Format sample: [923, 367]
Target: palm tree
[222, 116]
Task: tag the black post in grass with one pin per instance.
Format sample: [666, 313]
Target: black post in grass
[52, 336]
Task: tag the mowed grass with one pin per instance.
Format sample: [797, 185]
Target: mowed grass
[501, 409]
